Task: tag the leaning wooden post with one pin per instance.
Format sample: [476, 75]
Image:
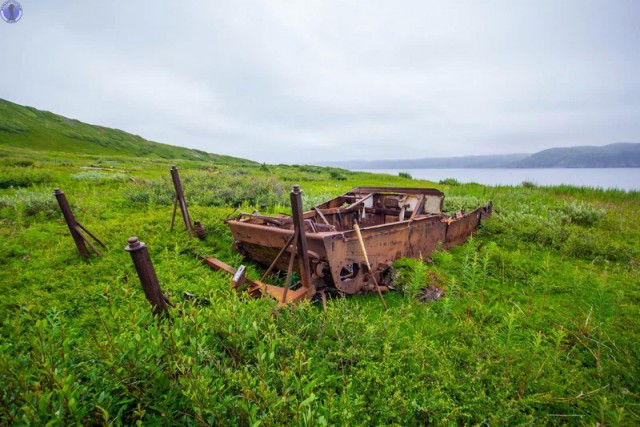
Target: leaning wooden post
[76, 228]
[180, 201]
[301, 243]
[147, 274]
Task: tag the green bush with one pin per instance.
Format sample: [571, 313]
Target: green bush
[23, 163]
[30, 203]
[405, 175]
[338, 176]
[207, 189]
[449, 181]
[466, 203]
[582, 213]
[17, 177]
[311, 169]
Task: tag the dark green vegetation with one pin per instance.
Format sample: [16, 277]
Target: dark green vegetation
[538, 325]
[619, 155]
[41, 130]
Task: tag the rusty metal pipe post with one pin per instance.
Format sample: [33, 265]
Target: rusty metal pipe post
[147, 274]
[71, 222]
[301, 244]
[180, 201]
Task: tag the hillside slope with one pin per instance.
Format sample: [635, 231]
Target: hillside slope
[28, 127]
[619, 155]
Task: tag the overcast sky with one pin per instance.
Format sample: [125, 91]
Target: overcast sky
[301, 81]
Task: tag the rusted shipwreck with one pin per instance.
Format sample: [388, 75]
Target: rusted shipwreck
[348, 243]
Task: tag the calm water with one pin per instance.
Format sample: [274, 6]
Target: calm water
[621, 178]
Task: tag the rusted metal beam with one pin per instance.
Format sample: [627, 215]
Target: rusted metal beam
[256, 287]
[321, 215]
[359, 202]
[301, 244]
[86, 239]
[180, 201]
[366, 259]
[292, 258]
[147, 274]
[76, 228]
[284, 248]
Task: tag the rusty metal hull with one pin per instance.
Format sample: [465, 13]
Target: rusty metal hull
[335, 255]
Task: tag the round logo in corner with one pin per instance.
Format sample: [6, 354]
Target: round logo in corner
[11, 11]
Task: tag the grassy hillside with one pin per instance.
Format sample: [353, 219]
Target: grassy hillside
[27, 127]
[539, 323]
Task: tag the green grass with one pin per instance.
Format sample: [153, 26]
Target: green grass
[28, 127]
[538, 324]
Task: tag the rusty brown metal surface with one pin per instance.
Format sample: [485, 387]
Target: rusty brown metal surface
[301, 243]
[256, 288]
[76, 228]
[199, 229]
[180, 201]
[394, 223]
[147, 275]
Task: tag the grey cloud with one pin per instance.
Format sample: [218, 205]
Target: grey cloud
[295, 82]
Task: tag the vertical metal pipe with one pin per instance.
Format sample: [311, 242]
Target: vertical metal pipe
[71, 222]
[147, 274]
[181, 201]
[301, 244]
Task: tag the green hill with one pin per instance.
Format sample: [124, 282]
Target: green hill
[28, 127]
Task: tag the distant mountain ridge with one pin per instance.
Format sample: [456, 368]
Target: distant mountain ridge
[433, 163]
[617, 155]
[28, 127]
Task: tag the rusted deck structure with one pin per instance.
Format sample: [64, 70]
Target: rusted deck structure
[394, 223]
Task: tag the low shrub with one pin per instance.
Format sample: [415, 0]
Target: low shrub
[582, 213]
[23, 163]
[405, 175]
[207, 189]
[311, 169]
[409, 276]
[449, 181]
[458, 203]
[21, 177]
[338, 176]
[30, 203]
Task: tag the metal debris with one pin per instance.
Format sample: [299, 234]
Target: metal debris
[394, 223]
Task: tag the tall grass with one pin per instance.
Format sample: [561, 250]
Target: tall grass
[537, 323]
